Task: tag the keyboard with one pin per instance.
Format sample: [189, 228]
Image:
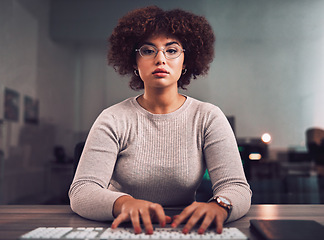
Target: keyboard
[97, 233]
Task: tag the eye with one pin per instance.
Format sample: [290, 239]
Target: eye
[172, 50]
[147, 50]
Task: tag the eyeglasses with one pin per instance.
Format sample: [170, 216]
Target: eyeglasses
[170, 52]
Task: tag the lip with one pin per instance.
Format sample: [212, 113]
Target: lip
[160, 72]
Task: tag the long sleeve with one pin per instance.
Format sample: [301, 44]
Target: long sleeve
[89, 193]
[224, 163]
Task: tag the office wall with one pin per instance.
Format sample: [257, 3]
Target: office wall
[33, 65]
[267, 70]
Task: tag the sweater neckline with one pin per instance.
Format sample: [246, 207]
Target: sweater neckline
[165, 116]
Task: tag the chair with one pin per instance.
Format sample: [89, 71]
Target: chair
[315, 146]
[77, 154]
[1, 175]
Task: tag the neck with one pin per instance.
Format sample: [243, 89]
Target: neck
[161, 103]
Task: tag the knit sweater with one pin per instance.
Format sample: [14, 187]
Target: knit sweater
[158, 157]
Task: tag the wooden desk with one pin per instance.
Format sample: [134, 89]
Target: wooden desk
[15, 220]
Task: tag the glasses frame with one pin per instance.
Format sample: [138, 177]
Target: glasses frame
[157, 51]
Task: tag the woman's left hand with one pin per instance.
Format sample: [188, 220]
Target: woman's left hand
[207, 212]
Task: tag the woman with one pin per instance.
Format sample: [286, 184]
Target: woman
[152, 151]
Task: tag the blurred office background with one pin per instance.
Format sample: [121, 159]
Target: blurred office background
[267, 77]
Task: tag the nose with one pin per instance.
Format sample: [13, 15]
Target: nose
[160, 58]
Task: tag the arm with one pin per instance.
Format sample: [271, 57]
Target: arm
[226, 172]
[224, 164]
[88, 193]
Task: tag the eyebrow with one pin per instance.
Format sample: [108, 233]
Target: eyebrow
[167, 44]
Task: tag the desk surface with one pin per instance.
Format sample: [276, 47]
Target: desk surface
[16, 220]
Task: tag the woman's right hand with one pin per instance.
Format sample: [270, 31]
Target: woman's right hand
[127, 208]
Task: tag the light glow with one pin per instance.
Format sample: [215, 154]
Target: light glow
[266, 138]
[255, 156]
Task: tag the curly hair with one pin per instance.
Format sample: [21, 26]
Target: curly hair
[194, 33]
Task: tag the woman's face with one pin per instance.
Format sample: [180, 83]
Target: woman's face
[159, 71]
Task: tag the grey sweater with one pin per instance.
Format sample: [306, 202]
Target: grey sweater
[158, 157]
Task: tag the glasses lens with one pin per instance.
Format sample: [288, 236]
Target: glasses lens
[172, 51]
[147, 51]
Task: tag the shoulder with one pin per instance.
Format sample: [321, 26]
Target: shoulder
[208, 115]
[120, 107]
[120, 110]
[117, 113]
[204, 108]
[212, 121]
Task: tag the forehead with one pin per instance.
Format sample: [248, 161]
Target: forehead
[162, 39]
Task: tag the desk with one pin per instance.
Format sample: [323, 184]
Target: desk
[15, 220]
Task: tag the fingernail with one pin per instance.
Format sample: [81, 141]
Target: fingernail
[173, 225]
[137, 230]
[201, 231]
[149, 232]
[113, 226]
[185, 230]
[162, 224]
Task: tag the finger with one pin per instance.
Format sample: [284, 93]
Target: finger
[147, 222]
[219, 224]
[195, 217]
[168, 219]
[134, 217]
[206, 223]
[159, 214]
[175, 217]
[123, 217]
[185, 214]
